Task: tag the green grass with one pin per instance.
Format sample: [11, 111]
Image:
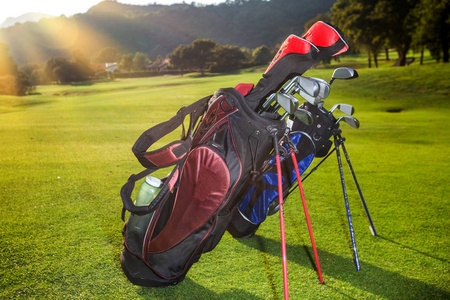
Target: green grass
[66, 151]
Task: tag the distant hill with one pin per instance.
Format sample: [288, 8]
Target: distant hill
[28, 17]
[158, 29]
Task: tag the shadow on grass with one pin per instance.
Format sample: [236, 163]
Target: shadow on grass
[189, 289]
[372, 279]
[412, 249]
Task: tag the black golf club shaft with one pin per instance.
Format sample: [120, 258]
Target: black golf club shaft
[349, 217]
[372, 227]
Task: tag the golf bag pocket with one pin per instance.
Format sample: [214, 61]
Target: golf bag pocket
[261, 199]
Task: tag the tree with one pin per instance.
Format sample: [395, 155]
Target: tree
[227, 58]
[399, 18]
[180, 58]
[81, 66]
[12, 81]
[7, 64]
[362, 22]
[126, 63]
[61, 70]
[140, 61]
[262, 55]
[370, 22]
[35, 73]
[107, 55]
[432, 30]
[202, 52]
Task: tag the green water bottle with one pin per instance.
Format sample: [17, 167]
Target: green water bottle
[148, 191]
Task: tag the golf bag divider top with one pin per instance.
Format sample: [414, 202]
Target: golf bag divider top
[213, 164]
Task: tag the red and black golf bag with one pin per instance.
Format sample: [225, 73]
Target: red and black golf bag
[214, 164]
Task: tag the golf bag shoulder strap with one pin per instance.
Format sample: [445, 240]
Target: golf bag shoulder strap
[168, 155]
[173, 152]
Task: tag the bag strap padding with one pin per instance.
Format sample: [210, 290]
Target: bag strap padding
[173, 152]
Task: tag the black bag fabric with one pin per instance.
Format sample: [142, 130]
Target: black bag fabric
[213, 165]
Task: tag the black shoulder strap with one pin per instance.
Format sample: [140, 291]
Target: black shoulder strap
[173, 152]
[163, 157]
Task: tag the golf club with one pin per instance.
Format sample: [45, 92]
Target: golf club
[343, 73]
[304, 116]
[345, 108]
[349, 120]
[313, 100]
[307, 85]
[288, 102]
[324, 87]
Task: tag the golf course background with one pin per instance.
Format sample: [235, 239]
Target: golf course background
[65, 152]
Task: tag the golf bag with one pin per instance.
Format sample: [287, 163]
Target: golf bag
[211, 166]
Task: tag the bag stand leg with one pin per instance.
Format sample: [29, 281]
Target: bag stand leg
[371, 227]
[305, 208]
[280, 199]
[344, 189]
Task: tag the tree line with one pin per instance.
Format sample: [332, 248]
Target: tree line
[404, 25]
[370, 25]
[200, 55]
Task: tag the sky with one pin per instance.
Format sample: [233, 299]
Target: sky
[16, 8]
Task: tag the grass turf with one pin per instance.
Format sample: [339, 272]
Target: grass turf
[66, 151]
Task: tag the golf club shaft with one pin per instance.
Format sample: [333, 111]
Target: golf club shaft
[283, 236]
[349, 217]
[308, 222]
[372, 227]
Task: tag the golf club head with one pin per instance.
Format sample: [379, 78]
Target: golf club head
[350, 121]
[310, 99]
[288, 102]
[304, 116]
[309, 86]
[324, 87]
[345, 108]
[344, 73]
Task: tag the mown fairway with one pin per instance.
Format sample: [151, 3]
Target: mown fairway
[66, 151]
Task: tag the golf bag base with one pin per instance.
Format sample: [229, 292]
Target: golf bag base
[139, 273]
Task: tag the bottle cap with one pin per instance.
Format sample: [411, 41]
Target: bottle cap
[153, 181]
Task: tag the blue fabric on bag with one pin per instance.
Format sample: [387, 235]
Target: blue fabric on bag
[259, 211]
[302, 166]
